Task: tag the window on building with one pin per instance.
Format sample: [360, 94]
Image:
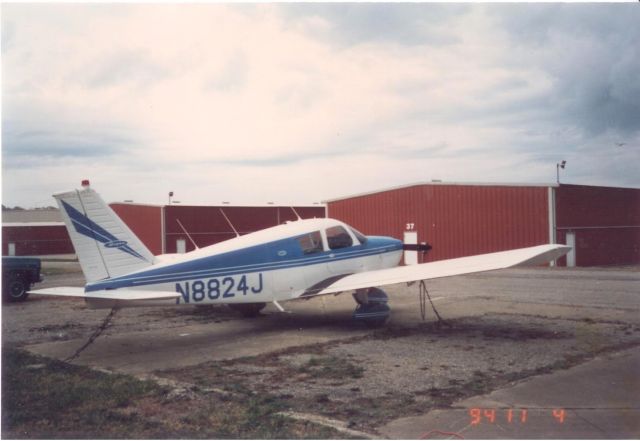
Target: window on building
[311, 243]
[337, 237]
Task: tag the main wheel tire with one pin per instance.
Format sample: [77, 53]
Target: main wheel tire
[248, 309]
[376, 323]
[373, 315]
[15, 290]
[372, 309]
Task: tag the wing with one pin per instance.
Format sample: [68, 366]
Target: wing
[443, 268]
[116, 294]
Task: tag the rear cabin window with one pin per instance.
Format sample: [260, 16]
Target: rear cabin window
[311, 243]
[337, 237]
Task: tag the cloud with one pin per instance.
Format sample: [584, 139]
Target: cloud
[310, 101]
[29, 147]
[590, 53]
[366, 23]
[122, 67]
[233, 76]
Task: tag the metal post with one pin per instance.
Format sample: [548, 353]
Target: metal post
[559, 165]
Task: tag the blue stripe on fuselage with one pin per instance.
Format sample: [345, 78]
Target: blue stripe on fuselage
[259, 258]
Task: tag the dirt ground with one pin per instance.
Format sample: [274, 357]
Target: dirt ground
[501, 327]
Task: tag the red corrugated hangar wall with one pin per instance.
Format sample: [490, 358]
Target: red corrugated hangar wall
[159, 226]
[457, 220]
[35, 240]
[145, 221]
[208, 225]
[602, 223]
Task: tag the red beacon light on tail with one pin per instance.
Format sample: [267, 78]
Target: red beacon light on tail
[85, 183]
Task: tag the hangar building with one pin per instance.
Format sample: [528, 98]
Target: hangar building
[457, 219]
[42, 232]
[34, 233]
[461, 219]
[158, 226]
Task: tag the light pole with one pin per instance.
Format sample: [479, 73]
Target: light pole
[559, 165]
[170, 195]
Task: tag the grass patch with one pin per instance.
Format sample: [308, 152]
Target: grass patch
[44, 398]
[39, 394]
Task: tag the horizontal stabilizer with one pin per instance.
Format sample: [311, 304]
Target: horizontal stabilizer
[116, 294]
[446, 268]
[66, 291]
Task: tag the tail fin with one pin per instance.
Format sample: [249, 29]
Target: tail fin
[105, 246]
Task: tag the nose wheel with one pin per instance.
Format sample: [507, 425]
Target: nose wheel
[372, 308]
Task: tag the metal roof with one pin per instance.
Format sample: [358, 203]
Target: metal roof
[29, 216]
[435, 183]
[274, 205]
[33, 224]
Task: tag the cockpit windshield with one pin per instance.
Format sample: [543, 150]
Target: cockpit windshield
[361, 237]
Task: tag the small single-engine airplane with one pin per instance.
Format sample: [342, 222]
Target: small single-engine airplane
[299, 259]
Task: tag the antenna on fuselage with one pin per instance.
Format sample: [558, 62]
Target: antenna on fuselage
[230, 224]
[187, 233]
[296, 213]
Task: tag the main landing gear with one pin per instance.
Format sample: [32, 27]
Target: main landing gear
[372, 307]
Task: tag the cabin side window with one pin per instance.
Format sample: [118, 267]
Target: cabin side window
[311, 243]
[337, 237]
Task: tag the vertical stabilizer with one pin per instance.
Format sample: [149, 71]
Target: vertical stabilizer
[105, 246]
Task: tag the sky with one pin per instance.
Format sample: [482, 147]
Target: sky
[300, 103]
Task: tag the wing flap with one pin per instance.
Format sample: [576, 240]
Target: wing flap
[116, 294]
[445, 268]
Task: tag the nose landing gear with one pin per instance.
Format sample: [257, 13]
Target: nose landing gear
[372, 309]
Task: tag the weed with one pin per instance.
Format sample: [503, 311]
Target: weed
[331, 367]
[56, 328]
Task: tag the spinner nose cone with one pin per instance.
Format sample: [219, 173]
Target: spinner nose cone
[423, 247]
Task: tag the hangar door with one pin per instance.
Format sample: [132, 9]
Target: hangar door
[571, 256]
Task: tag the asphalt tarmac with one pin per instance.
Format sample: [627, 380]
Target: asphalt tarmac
[596, 400]
[558, 344]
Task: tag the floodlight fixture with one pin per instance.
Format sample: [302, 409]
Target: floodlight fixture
[560, 165]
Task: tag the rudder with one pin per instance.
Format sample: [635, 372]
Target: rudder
[105, 246]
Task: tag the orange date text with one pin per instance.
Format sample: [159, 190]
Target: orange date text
[510, 416]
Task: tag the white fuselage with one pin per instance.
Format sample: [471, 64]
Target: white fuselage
[280, 263]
